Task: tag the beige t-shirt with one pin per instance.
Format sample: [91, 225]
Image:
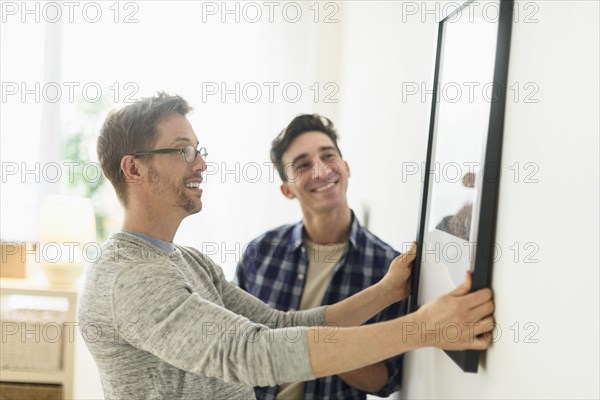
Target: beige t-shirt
[322, 260]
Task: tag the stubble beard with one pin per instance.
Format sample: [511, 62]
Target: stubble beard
[160, 187]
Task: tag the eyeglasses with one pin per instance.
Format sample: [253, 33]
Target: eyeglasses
[189, 152]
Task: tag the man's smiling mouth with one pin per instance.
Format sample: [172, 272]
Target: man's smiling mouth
[325, 187]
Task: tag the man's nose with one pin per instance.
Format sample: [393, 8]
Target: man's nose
[322, 170]
[199, 163]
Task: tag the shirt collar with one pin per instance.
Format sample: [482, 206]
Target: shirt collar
[355, 231]
[298, 233]
[161, 244]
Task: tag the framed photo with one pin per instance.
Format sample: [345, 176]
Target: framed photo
[462, 169]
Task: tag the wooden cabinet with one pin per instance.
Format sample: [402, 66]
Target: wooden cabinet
[29, 340]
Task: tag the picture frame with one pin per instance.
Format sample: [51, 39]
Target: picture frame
[462, 168]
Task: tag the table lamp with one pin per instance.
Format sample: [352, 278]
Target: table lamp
[67, 225]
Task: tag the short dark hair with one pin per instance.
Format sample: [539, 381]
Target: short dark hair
[299, 125]
[132, 129]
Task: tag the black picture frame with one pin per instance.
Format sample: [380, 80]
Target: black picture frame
[483, 210]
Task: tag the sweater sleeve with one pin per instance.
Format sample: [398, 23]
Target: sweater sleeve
[241, 302]
[180, 326]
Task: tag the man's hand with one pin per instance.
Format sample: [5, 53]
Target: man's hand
[396, 281]
[459, 320]
[362, 306]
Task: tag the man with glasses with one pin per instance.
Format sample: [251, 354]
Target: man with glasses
[162, 322]
[323, 259]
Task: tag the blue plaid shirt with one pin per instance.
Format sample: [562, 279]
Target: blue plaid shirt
[273, 268]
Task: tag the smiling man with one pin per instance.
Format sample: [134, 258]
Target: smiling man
[162, 322]
[321, 260]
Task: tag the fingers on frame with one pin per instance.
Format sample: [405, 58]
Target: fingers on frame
[479, 297]
[481, 311]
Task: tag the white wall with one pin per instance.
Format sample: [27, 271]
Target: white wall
[559, 214]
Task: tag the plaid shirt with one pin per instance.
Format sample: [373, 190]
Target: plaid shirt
[273, 269]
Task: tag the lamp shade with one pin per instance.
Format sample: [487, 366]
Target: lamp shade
[67, 219]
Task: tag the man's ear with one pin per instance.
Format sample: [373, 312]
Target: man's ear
[347, 167]
[285, 189]
[130, 169]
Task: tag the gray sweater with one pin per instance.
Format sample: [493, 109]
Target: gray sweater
[166, 325]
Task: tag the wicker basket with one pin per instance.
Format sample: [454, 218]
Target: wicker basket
[32, 339]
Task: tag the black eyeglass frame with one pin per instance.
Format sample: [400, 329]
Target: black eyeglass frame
[201, 151]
